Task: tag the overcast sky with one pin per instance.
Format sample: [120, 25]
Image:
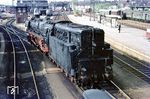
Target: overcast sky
[6, 2]
[9, 2]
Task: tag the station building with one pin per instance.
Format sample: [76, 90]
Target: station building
[31, 4]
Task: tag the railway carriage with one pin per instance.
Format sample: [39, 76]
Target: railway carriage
[79, 50]
[143, 16]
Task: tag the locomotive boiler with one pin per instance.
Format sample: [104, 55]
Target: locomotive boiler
[79, 50]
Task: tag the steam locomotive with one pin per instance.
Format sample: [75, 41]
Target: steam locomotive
[79, 50]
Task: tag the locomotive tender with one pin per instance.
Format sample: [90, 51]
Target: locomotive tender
[79, 50]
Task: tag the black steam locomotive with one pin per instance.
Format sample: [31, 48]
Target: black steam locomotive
[79, 50]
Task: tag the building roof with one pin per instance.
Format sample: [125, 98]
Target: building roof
[31, 3]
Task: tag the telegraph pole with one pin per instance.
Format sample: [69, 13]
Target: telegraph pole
[84, 4]
[13, 2]
[90, 9]
[94, 9]
[33, 5]
[92, 6]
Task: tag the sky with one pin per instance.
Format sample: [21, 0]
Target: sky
[9, 2]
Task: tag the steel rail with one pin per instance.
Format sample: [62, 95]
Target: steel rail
[131, 66]
[30, 65]
[14, 55]
[136, 60]
[120, 90]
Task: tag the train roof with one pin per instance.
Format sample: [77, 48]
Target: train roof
[73, 27]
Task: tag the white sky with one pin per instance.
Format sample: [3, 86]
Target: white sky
[6, 2]
[9, 2]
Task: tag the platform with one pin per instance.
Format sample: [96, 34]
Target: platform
[132, 41]
[20, 26]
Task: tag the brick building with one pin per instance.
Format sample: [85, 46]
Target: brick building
[32, 4]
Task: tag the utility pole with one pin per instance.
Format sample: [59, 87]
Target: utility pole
[13, 2]
[84, 4]
[94, 9]
[90, 9]
[92, 6]
[33, 5]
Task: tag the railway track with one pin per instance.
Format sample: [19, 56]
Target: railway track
[36, 58]
[60, 17]
[22, 34]
[18, 46]
[129, 22]
[135, 24]
[111, 88]
[138, 68]
[114, 90]
[11, 72]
